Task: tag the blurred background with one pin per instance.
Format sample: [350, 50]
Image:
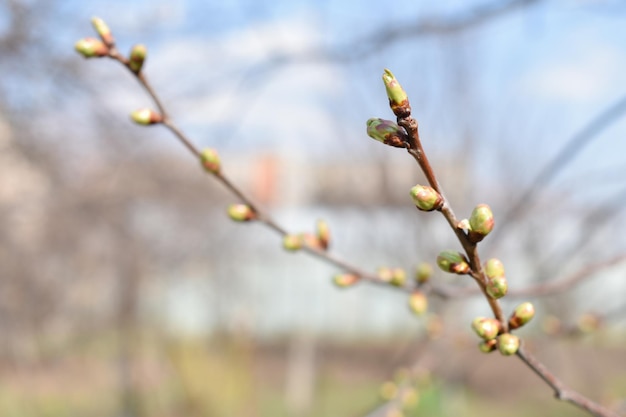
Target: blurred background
[126, 291]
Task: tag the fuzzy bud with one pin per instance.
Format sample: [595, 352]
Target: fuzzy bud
[423, 272]
[322, 232]
[292, 242]
[146, 117]
[91, 48]
[523, 314]
[210, 160]
[508, 344]
[102, 29]
[497, 287]
[387, 132]
[494, 268]
[487, 346]
[398, 99]
[137, 57]
[398, 277]
[453, 262]
[426, 198]
[481, 223]
[486, 328]
[345, 280]
[418, 303]
[241, 212]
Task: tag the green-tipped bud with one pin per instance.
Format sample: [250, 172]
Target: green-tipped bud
[398, 277]
[426, 198]
[210, 160]
[137, 57]
[388, 390]
[322, 232]
[423, 272]
[486, 328]
[387, 132]
[91, 47]
[497, 287]
[481, 223]
[292, 242]
[494, 268]
[241, 212]
[588, 322]
[487, 346]
[102, 29]
[508, 344]
[418, 303]
[345, 280]
[146, 117]
[398, 100]
[453, 262]
[523, 314]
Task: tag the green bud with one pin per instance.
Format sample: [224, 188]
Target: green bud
[398, 99]
[426, 198]
[508, 344]
[423, 272]
[241, 212]
[137, 57]
[387, 132]
[487, 346]
[588, 322]
[481, 222]
[398, 277]
[486, 328]
[146, 117]
[345, 280]
[523, 314]
[91, 47]
[418, 303]
[494, 268]
[210, 160]
[388, 390]
[497, 287]
[454, 262]
[292, 242]
[385, 274]
[102, 29]
[322, 232]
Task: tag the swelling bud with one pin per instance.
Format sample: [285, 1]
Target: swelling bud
[240, 212]
[398, 99]
[418, 303]
[481, 223]
[387, 132]
[91, 48]
[137, 57]
[426, 198]
[210, 160]
[508, 344]
[523, 314]
[345, 280]
[146, 117]
[453, 262]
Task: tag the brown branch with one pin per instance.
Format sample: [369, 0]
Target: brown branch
[561, 391]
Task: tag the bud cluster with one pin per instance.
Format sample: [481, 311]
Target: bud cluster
[393, 276]
[497, 285]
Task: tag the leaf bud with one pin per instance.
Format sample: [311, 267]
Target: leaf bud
[210, 160]
[137, 57]
[494, 268]
[487, 346]
[418, 303]
[423, 272]
[398, 277]
[522, 314]
[322, 232]
[426, 198]
[241, 212]
[497, 287]
[345, 280]
[292, 242]
[481, 223]
[398, 99]
[508, 344]
[91, 47]
[146, 117]
[486, 328]
[387, 132]
[454, 262]
[102, 29]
